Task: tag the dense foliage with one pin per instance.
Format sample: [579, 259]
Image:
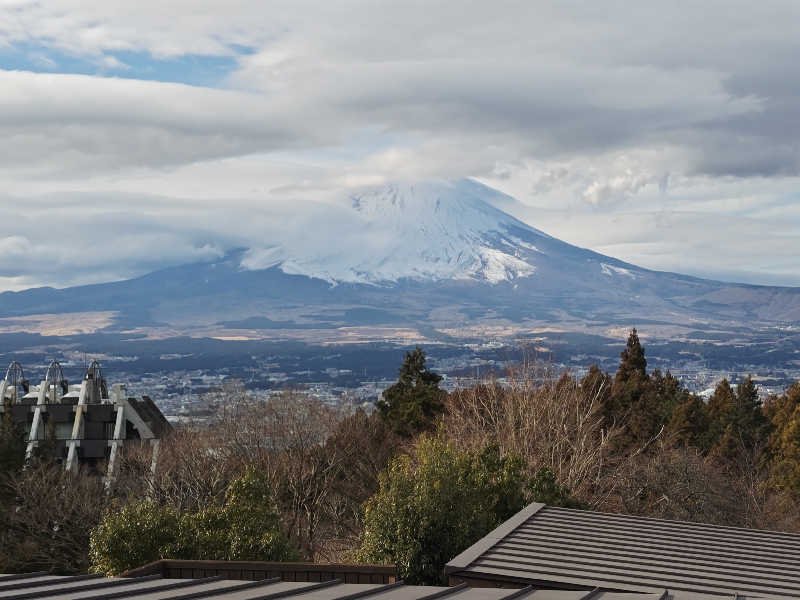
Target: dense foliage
[412, 404]
[133, 535]
[246, 526]
[435, 502]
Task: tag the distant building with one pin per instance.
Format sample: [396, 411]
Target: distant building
[80, 424]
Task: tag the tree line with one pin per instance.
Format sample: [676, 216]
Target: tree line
[417, 480]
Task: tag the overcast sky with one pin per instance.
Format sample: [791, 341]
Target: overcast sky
[141, 134]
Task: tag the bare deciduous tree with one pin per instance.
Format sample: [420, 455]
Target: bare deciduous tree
[192, 471]
[47, 527]
[550, 422]
[284, 437]
[364, 445]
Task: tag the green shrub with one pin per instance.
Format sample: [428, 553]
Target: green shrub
[436, 502]
[132, 536]
[245, 527]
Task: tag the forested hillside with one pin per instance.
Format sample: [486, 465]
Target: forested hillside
[417, 480]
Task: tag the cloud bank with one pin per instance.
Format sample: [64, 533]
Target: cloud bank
[663, 134]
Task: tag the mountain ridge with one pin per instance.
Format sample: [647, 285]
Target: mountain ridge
[429, 255]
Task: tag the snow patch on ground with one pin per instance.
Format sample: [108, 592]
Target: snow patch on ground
[499, 266]
[610, 270]
[523, 244]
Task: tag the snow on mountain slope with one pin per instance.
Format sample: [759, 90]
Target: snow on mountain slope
[426, 231]
[412, 254]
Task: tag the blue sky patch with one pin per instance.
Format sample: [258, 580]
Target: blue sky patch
[199, 70]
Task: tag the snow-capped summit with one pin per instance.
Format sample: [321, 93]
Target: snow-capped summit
[438, 255]
[422, 231]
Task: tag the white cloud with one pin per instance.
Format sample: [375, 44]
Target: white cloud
[74, 125]
[725, 228]
[659, 116]
[165, 29]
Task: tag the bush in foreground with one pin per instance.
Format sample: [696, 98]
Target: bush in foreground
[436, 502]
[245, 527]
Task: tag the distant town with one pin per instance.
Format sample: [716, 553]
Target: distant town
[338, 375]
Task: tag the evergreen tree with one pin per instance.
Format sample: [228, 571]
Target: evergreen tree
[629, 381]
[543, 487]
[720, 406]
[669, 394]
[632, 360]
[728, 449]
[631, 404]
[749, 416]
[688, 424]
[736, 421]
[784, 441]
[785, 468]
[246, 526]
[412, 404]
[778, 409]
[596, 385]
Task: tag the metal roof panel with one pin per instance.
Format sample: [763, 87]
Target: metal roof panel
[560, 547]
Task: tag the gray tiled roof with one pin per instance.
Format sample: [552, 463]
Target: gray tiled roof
[155, 588]
[559, 547]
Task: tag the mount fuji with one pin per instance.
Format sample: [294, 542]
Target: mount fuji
[426, 232]
[436, 257]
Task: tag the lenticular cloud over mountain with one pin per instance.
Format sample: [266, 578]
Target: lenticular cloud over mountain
[423, 231]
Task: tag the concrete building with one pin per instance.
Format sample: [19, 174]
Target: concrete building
[80, 424]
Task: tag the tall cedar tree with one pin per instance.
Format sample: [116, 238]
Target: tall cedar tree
[688, 425]
[669, 392]
[721, 406]
[412, 404]
[596, 385]
[632, 404]
[750, 416]
[632, 360]
[737, 423]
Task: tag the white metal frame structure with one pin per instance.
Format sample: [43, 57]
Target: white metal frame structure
[92, 391]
